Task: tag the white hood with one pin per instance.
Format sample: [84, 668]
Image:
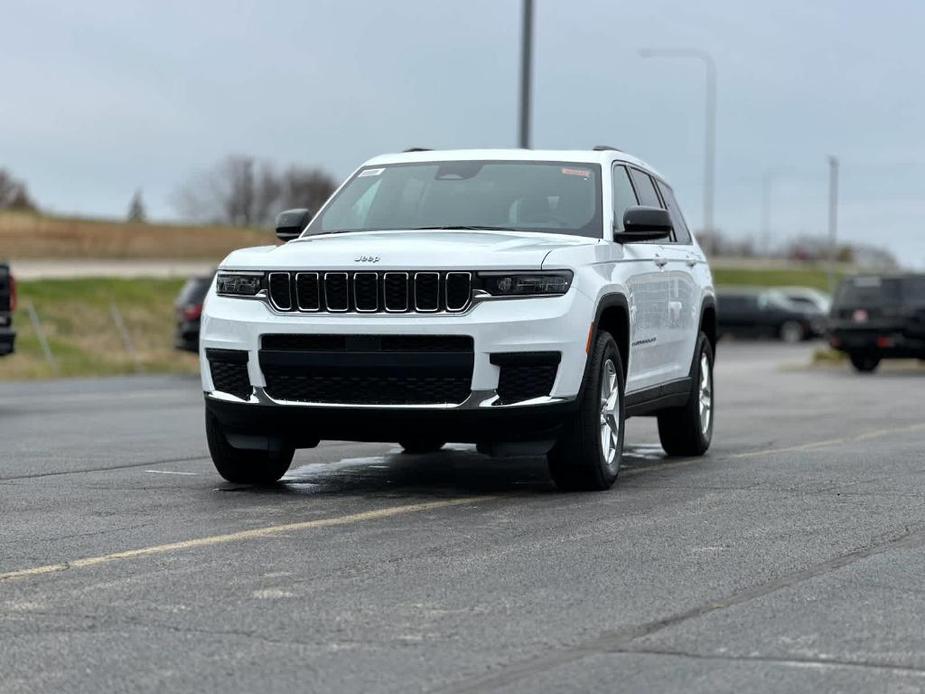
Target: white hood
[408, 250]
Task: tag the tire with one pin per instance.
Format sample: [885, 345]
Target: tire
[688, 430]
[864, 363]
[579, 460]
[421, 445]
[244, 466]
[791, 332]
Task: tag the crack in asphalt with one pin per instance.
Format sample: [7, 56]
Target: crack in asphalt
[620, 640]
[56, 473]
[795, 661]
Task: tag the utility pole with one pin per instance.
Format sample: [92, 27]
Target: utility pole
[833, 219]
[526, 72]
[765, 240]
[709, 155]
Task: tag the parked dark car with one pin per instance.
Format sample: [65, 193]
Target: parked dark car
[189, 310]
[7, 306]
[877, 317]
[766, 313]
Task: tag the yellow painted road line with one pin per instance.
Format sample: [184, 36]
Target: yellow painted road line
[254, 534]
[867, 435]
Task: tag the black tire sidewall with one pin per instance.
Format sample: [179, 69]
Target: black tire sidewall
[704, 347]
[604, 348]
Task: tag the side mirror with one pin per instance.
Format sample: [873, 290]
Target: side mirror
[644, 224]
[291, 223]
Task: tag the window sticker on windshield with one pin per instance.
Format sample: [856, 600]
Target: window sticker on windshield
[576, 172]
[370, 172]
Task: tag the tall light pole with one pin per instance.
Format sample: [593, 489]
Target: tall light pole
[767, 182]
[709, 157]
[833, 219]
[526, 72]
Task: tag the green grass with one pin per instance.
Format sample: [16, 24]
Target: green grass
[77, 320]
[85, 341]
[773, 277]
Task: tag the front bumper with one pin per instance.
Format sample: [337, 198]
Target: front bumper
[548, 324]
[252, 426]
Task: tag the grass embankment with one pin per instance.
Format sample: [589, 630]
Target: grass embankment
[76, 316]
[37, 237]
[801, 276]
[85, 340]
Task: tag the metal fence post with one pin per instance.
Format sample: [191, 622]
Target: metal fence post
[40, 335]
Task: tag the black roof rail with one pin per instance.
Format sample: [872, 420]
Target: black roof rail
[418, 149]
[605, 148]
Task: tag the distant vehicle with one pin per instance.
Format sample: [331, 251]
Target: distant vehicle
[878, 317]
[809, 298]
[509, 298]
[7, 306]
[188, 307]
[766, 313]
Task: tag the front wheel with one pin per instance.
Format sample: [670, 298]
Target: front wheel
[792, 332]
[688, 430]
[588, 454]
[865, 363]
[244, 466]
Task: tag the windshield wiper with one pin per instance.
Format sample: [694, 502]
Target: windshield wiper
[464, 227]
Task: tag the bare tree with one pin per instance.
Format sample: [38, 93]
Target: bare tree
[243, 192]
[136, 208]
[13, 193]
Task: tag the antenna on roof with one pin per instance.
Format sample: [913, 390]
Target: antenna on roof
[418, 149]
[605, 148]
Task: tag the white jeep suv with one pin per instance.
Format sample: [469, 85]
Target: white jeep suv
[524, 301]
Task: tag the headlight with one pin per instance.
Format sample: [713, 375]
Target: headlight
[526, 283]
[238, 283]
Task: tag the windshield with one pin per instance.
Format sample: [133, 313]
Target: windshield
[555, 197]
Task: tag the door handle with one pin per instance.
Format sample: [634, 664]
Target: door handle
[660, 261]
[691, 261]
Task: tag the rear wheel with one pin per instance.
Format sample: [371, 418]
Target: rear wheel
[865, 363]
[244, 466]
[792, 332]
[688, 430]
[588, 454]
[421, 445]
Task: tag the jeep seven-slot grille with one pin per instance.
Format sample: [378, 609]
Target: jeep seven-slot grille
[370, 291]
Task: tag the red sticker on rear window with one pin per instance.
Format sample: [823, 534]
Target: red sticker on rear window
[575, 172]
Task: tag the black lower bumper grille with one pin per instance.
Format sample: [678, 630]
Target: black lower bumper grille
[525, 375]
[368, 369]
[368, 389]
[229, 371]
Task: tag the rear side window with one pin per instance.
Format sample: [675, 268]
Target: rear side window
[645, 189]
[623, 195]
[681, 233]
[914, 290]
[865, 292]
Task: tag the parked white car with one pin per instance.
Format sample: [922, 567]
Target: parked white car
[526, 301]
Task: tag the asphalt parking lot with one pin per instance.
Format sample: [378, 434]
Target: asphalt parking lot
[790, 558]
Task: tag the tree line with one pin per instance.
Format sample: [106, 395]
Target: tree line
[237, 191]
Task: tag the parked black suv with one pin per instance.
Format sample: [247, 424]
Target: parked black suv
[766, 313]
[878, 317]
[7, 306]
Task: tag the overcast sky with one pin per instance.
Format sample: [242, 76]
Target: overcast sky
[105, 96]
